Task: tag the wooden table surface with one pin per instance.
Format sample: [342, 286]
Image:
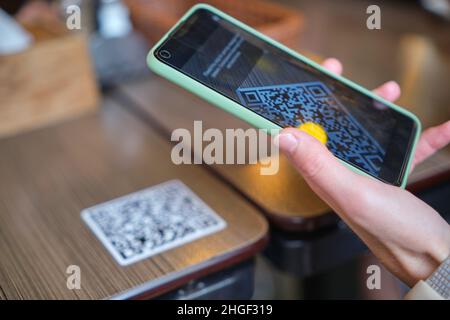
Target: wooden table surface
[50, 175]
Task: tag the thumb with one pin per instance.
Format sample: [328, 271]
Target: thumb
[325, 174]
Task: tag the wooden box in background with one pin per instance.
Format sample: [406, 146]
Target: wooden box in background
[155, 17]
[49, 82]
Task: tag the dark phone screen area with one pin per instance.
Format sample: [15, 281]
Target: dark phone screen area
[361, 131]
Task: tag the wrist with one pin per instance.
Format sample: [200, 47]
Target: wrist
[421, 264]
[442, 250]
[438, 252]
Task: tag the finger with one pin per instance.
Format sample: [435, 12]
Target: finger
[323, 172]
[333, 65]
[389, 91]
[432, 140]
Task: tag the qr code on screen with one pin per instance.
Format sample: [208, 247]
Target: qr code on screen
[147, 222]
[292, 104]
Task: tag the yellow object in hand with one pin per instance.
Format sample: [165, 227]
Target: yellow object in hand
[314, 130]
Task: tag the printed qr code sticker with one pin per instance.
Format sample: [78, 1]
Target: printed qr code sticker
[147, 222]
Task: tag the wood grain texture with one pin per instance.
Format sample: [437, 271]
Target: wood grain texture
[50, 175]
[49, 82]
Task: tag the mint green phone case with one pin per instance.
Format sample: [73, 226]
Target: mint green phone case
[240, 111]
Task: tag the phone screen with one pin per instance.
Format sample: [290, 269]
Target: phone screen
[283, 89]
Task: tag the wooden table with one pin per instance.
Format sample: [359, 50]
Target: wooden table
[50, 175]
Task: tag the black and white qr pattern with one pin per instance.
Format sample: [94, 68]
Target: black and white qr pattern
[292, 104]
[147, 222]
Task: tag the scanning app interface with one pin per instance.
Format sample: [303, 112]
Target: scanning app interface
[285, 90]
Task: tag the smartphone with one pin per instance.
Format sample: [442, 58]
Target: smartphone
[271, 86]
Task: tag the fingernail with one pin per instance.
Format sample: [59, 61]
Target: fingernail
[392, 87]
[392, 83]
[287, 142]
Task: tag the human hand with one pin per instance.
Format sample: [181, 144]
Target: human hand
[409, 237]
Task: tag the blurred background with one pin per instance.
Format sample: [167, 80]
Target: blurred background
[52, 70]
[412, 46]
